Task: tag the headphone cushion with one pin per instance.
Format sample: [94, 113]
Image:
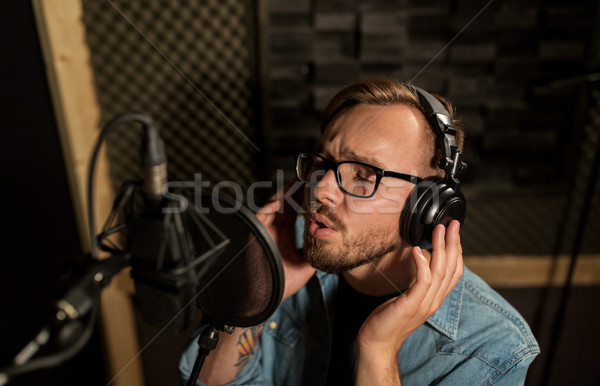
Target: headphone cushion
[430, 203]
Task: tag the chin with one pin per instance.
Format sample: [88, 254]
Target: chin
[332, 262]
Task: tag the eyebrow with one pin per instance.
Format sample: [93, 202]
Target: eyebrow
[353, 156]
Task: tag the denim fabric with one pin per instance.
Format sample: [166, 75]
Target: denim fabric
[475, 338]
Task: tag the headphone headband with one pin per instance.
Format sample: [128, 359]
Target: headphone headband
[439, 118]
[435, 200]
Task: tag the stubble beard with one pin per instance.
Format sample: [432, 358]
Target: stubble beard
[364, 246]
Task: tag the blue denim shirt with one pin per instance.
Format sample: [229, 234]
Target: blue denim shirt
[475, 338]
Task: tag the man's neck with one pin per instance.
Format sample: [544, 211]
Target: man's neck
[389, 274]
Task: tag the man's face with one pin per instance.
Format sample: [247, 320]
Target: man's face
[343, 232]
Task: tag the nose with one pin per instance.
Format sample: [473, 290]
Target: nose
[327, 190]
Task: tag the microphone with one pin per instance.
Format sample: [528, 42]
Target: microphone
[160, 247]
[213, 254]
[154, 166]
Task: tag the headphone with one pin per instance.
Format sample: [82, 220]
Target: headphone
[435, 200]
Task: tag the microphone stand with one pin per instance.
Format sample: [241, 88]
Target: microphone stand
[64, 330]
[207, 341]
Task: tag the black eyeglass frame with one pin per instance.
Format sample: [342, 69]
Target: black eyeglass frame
[335, 166]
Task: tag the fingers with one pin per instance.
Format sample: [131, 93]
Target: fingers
[423, 278]
[452, 260]
[438, 260]
[266, 214]
[429, 275]
[436, 279]
[459, 264]
[454, 254]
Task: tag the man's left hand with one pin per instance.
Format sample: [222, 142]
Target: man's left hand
[388, 326]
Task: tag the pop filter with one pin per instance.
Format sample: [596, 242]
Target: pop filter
[243, 285]
[214, 253]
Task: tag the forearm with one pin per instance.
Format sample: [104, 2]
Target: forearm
[230, 356]
[377, 368]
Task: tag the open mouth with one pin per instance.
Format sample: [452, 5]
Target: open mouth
[322, 221]
[319, 227]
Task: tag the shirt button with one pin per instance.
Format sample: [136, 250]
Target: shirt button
[273, 325]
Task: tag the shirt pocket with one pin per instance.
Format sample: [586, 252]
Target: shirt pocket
[284, 327]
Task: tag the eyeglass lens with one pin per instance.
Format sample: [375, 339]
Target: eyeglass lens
[353, 178]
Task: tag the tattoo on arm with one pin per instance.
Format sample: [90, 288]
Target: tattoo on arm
[246, 344]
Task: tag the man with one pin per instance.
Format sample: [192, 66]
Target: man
[377, 310]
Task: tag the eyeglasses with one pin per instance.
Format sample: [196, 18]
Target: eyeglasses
[357, 179]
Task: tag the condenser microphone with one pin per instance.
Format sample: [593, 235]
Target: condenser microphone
[154, 167]
[212, 254]
[160, 247]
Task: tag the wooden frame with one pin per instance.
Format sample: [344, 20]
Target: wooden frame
[534, 271]
[62, 36]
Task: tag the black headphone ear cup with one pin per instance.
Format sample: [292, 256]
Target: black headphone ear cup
[453, 206]
[430, 203]
[412, 227]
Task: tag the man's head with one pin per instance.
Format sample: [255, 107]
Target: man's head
[384, 92]
[378, 122]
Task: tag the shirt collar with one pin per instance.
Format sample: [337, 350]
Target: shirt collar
[445, 319]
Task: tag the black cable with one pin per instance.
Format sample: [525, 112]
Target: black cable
[64, 332]
[108, 128]
[57, 358]
[54, 359]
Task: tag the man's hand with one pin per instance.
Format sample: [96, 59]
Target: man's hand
[388, 326]
[281, 223]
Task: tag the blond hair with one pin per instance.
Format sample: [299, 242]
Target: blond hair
[384, 91]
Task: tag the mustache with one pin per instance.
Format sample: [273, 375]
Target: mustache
[327, 212]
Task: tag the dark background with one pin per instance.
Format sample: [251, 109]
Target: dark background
[518, 74]
[40, 248]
